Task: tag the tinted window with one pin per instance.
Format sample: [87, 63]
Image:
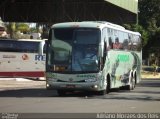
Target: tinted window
[86, 36]
[64, 34]
[19, 46]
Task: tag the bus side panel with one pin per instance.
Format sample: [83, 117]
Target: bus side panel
[137, 65]
[121, 64]
[22, 64]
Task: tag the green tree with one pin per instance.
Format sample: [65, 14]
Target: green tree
[11, 28]
[149, 12]
[22, 27]
[149, 18]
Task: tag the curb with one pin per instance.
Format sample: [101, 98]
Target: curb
[14, 79]
[150, 77]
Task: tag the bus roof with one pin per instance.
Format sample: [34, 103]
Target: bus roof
[77, 24]
[93, 24]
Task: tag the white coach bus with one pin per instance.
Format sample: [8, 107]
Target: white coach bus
[92, 56]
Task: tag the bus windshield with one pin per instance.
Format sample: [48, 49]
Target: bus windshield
[74, 49]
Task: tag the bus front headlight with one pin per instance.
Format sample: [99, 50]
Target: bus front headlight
[91, 80]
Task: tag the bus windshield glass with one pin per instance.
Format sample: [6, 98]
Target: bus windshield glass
[74, 50]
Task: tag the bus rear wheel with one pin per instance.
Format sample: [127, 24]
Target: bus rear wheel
[132, 84]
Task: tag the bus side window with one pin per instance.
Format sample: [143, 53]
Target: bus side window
[136, 43]
[117, 44]
[125, 41]
[130, 42]
[125, 44]
[139, 46]
[110, 43]
[110, 34]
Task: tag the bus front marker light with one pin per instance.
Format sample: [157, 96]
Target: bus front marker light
[95, 86]
[47, 85]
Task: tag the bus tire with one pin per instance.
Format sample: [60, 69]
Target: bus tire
[108, 88]
[132, 84]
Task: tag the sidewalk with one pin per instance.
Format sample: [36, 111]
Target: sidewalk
[14, 79]
[20, 83]
[22, 79]
[149, 75]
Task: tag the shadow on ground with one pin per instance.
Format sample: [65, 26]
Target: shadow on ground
[29, 92]
[142, 92]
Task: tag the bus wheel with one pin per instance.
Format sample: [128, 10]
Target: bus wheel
[108, 88]
[61, 92]
[132, 84]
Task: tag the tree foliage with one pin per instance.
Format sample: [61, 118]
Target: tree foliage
[11, 27]
[149, 12]
[149, 18]
[14, 29]
[22, 27]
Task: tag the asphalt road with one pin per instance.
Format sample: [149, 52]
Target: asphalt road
[32, 97]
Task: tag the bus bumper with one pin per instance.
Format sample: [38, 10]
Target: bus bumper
[91, 86]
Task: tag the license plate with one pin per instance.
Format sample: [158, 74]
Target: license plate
[70, 86]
